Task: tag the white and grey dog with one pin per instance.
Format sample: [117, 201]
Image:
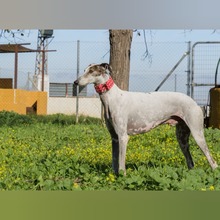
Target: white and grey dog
[130, 113]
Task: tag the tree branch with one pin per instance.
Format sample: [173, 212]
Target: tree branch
[13, 35]
[147, 54]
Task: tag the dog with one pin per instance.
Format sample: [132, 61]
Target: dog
[129, 113]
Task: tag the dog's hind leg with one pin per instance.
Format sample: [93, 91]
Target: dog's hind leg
[200, 140]
[196, 125]
[182, 134]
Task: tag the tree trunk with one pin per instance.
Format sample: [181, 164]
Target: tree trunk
[120, 49]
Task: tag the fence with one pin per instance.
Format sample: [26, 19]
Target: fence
[145, 73]
[205, 56]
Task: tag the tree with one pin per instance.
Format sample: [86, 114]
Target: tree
[13, 35]
[120, 50]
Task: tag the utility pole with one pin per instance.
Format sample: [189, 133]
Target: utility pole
[41, 63]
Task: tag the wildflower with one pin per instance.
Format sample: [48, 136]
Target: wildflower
[110, 178]
[211, 188]
[75, 185]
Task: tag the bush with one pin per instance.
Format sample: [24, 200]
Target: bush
[62, 119]
[14, 119]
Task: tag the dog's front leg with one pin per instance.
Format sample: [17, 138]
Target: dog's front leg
[119, 146]
[115, 146]
[115, 155]
[123, 140]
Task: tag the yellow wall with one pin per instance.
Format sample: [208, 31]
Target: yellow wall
[18, 100]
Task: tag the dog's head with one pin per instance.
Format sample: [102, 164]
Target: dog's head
[94, 73]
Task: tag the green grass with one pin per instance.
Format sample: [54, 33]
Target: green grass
[54, 153]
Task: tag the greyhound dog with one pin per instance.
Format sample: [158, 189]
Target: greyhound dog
[129, 113]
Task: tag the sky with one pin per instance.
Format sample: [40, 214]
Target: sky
[102, 35]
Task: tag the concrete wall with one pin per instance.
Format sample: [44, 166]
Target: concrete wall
[21, 101]
[18, 100]
[88, 106]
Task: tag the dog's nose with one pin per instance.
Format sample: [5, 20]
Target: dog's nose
[76, 82]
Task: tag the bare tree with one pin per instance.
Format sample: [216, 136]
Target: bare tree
[12, 36]
[120, 50]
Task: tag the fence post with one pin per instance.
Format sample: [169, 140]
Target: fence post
[77, 88]
[189, 69]
[43, 66]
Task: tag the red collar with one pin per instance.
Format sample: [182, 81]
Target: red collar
[101, 88]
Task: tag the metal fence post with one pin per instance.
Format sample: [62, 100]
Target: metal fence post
[43, 66]
[189, 69]
[77, 89]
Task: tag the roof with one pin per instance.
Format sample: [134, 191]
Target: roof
[19, 48]
[11, 48]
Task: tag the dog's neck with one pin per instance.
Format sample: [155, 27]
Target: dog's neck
[104, 87]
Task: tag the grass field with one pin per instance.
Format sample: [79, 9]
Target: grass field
[54, 153]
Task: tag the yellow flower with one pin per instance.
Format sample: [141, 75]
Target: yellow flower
[211, 188]
[75, 185]
[110, 178]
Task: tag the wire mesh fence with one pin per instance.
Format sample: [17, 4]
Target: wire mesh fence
[205, 56]
[146, 73]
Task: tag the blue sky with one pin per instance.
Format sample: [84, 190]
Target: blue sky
[102, 35]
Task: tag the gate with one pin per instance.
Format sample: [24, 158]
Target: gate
[205, 56]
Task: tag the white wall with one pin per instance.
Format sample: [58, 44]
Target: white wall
[37, 80]
[88, 106]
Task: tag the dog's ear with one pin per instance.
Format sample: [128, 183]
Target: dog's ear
[107, 67]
